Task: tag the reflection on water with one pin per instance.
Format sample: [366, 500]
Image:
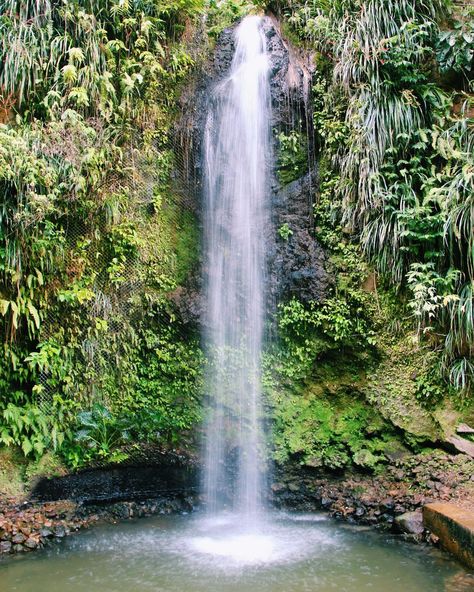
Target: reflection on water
[301, 553]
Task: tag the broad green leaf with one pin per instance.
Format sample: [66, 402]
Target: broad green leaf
[26, 446]
[34, 313]
[4, 305]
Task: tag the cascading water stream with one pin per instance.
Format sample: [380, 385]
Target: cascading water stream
[237, 155]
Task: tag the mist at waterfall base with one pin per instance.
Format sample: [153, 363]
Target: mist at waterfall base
[309, 553]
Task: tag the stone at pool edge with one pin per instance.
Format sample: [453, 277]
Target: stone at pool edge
[410, 523]
[455, 528]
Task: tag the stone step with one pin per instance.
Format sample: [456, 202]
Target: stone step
[455, 528]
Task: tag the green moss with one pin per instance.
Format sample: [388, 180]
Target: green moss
[170, 243]
[392, 389]
[12, 464]
[18, 474]
[49, 465]
[327, 422]
[292, 160]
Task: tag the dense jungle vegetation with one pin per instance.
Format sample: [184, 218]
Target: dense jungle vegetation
[393, 120]
[96, 238]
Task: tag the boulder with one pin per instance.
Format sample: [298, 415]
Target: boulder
[463, 428]
[5, 547]
[462, 445]
[31, 543]
[410, 523]
[18, 539]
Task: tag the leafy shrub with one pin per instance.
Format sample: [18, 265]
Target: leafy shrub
[292, 156]
[97, 435]
[168, 390]
[285, 231]
[455, 46]
[221, 15]
[396, 161]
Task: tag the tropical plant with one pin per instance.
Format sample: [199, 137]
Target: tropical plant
[292, 156]
[399, 157]
[455, 46]
[101, 434]
[87, 98]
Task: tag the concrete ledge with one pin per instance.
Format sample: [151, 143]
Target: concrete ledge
[455, 528]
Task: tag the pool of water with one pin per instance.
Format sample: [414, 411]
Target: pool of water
[284, 553]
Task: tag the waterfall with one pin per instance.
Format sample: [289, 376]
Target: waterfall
[237, 153]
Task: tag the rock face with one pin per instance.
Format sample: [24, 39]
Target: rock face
[296, 265]
[462, 445]
[392, 500]
[173, 474]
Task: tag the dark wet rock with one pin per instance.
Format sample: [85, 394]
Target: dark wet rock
[290, 79]
[388, 504]
[31, 543]
[162, 472]
[189, 301]
[296, 267]
[5, 547]
[60, 531]
[410, 523]
[46, 533]
[326, 502]
[387, 518]
[298, 264]
[18, 539]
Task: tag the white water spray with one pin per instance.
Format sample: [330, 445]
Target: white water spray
[237, 157]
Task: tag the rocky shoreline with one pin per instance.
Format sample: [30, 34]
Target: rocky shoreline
[392, 500]
[28, 526]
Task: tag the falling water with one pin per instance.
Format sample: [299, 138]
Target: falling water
[237, 153]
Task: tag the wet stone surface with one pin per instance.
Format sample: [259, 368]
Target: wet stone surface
[391, 501]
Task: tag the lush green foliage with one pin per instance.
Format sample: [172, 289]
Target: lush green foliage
[93, 235]
[400, 154]
[395, 186]
[292, 156]
[455, 46]
[103, 58]
[220, 15]
[95, 242]
[322, 432]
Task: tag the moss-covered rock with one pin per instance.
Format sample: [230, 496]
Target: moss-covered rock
[392, 389]
[328, 422]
